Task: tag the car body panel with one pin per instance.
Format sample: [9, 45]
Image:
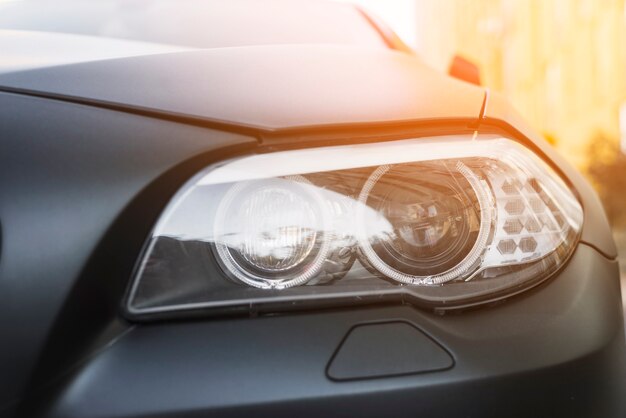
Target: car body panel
[278, 87]
[92, 152]
[79, 206]
[238, 367]
[66, 181]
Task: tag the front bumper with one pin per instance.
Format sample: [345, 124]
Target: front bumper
[557, 350]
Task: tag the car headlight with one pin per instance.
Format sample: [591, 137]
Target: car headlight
[440, 222]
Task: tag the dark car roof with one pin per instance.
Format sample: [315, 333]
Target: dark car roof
[264, 87]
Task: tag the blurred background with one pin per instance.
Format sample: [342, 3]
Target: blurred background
[562, 63]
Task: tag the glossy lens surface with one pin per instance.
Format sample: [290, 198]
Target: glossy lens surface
[445, 222]
[434, 217]
[268, 232]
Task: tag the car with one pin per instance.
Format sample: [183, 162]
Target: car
[276, 208]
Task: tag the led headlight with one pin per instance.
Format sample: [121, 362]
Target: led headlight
[446, 221]
[440, 221]
[270, 233]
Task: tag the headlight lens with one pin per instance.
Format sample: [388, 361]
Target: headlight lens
[438, 215]
[442, 222]
[270, 233]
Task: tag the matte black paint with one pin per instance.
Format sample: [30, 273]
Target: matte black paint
[81, 187]
[49, 174]
[556, 351]
[76, 206]
[278, 87]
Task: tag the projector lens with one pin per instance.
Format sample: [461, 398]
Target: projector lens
[433, 214]
[270, 233]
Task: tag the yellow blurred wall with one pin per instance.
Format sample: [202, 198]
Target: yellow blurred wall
[560, 62]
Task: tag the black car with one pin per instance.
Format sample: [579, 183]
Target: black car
[275, 208]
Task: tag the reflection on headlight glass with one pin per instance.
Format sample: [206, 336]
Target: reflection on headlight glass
[439, 222]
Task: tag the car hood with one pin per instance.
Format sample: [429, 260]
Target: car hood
[25, 50]
[261, 87]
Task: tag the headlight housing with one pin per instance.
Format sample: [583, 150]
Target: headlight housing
[440, 222]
